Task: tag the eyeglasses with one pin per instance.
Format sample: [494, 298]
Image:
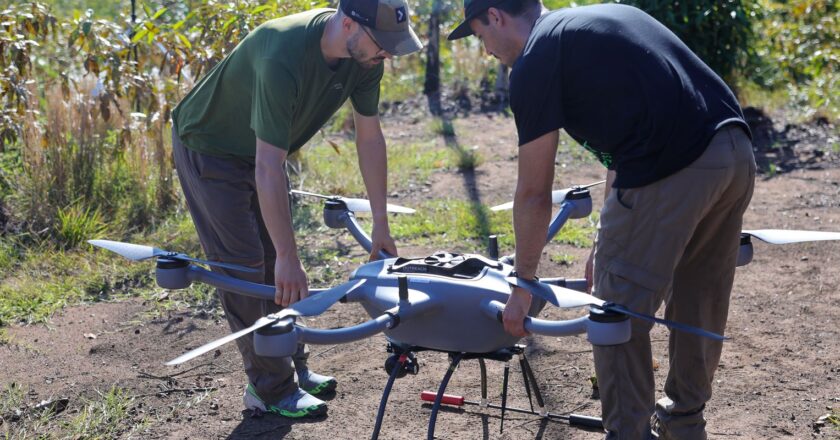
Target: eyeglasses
[364, 28]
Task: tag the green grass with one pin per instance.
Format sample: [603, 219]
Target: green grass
[564, 259]
[20, 422]
[43, 280]
[108, 415]
[328, 172]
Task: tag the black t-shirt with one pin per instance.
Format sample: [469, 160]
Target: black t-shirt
[624, 86]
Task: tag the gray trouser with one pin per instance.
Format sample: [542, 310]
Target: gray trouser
[676, 241]
[222, 199]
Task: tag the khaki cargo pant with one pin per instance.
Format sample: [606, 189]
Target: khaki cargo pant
[676, 241]
[222, 199]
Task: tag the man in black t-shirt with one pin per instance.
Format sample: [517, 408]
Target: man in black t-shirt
[680, 176]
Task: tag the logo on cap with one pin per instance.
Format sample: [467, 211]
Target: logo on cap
[400, 14]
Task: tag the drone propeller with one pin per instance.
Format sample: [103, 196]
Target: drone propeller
[356, 205]
[559, 296]
[781, 236]
[262, 322]
[137, 252]
[568, 298]
[557, 196]
[309, 306]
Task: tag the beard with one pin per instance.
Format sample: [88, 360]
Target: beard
[359, 55]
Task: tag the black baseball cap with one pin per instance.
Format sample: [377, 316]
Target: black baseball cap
[472, 9]
[388, 22]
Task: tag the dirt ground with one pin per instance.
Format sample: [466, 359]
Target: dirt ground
[780, 372]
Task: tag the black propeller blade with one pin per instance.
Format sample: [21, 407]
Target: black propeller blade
[567, 298]
[137, 252]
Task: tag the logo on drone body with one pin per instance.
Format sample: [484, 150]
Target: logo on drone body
[400, 14]
[416, 268]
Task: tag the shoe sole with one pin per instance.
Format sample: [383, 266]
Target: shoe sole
[323, 388]
[312, 411]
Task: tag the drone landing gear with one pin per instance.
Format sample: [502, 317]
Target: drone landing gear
[403, 362]
[531, 389]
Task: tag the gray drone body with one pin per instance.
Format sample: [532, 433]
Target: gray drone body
[455, 320]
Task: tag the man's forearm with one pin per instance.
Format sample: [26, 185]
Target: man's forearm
[373, 165]
[531, 216]
[274, 205]
[532, 202]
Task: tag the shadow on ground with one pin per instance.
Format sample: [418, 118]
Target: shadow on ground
[782, 149]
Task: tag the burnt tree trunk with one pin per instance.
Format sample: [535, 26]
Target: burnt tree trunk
[431, 87]
[502, 87]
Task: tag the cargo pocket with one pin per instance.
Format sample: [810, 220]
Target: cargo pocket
[635, 287]
[618, 220]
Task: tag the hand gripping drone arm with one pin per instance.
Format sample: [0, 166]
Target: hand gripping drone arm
[598, 333]
[602, 311]
[338, 215]
[176, 276]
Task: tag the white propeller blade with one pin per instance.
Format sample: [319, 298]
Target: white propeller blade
[557, 196]
[262, 322]
[781, 236]
[356, 205]
[138, 252]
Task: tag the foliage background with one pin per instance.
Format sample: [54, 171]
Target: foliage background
[86, 92]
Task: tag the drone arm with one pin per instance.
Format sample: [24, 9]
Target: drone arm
[577, 326]
[224, 282]
[598, 333]
[347, 334]
[559, 220]
[355, 229]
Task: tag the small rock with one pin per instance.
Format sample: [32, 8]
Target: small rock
[90, 336]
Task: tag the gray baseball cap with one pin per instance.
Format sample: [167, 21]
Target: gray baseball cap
[388, 22]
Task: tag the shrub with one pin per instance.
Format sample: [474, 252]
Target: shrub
[719, 32]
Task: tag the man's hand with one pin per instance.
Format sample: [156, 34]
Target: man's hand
[590, 270]
[290, 281]
[381, 240]
[515, 311]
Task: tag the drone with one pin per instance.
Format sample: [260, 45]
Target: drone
[445, 302]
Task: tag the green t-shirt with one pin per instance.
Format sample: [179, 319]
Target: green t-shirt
[274, 85]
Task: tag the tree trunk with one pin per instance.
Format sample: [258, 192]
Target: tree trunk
[431, 87]
[502, 87]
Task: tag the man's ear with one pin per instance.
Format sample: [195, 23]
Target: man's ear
[348, 25]
[495, 16]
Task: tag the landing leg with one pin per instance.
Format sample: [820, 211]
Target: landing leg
[529, 375]
[526, 379]
[504, 395]
[385, 394]
[483, 368]
[453, 364]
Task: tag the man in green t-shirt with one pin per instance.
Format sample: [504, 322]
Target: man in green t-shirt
[231, 136]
